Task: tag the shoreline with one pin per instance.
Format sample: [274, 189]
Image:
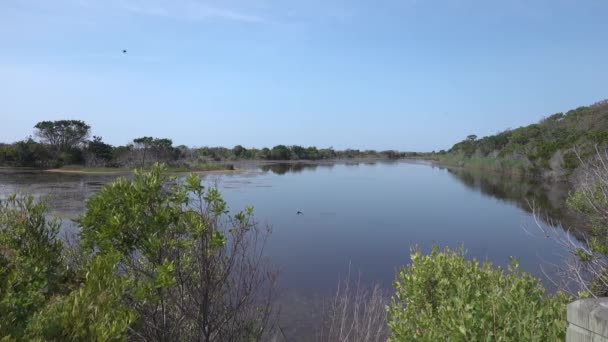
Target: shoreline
[128, 172]
[239, 166]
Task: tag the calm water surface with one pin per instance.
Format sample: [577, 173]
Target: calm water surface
[362, 216]
[368, 216]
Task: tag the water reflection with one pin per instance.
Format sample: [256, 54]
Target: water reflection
[547, 199]
[283, 168]
[297, 167]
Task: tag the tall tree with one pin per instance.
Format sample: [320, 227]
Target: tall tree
[157, 148]
[143, 143]
[63, 134]
[239, 151]
[98, 152]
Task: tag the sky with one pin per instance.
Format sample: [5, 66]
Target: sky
[412, 75]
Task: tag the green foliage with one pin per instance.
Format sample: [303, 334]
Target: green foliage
[598, 137]
[570, 161]
[64, 142]
[31, 269]
[32, 154]
[129, 215]
[95, 311]
[510, 149]
[149, 247]
[590, 200]
[444, 297]
[239, 151]
[8, 155]
[536, 144]
[63, 134]
[154, 149]
[165, 237]
[98, 151]
[280, 152]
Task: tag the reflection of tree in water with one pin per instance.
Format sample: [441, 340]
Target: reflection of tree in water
[548, 198]
[283, 168]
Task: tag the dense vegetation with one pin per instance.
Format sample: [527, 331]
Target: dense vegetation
[67, 143]
[547, 148]
[444, 297]
[588, 270]
[154, 260]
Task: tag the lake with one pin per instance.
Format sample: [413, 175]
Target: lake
[362, 216]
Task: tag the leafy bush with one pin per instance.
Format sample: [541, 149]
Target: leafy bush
[93, 312]
[443, 297]
[598, 137]
[590, 200]
[570, 161]
[156, 259]
[31, 269]
[189, 270]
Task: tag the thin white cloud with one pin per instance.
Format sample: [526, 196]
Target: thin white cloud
[197, 10]
[185, 9]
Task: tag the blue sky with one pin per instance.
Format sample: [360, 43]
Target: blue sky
[409, 74]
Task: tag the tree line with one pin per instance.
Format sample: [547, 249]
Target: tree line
[550, 145]
[69, 142]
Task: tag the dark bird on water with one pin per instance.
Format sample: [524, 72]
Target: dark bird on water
[124, 51]
[299, 213]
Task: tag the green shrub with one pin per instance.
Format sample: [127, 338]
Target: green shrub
[598, 137]
[31, 269]
[92, 312]
[443, 297]
[570, 161]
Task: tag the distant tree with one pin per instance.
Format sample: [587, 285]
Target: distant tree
[312, 153]
[327, 153]
[264, 153]
[121, 155]
[350, 153]
[299, 152]
[63, 135]
[8, 155]
[471, 137]
[31, 153]
[98, 152]
[143, 144]
[239, 151]
[390, 154]
[280, 152]
[153, 148]
[600, 104]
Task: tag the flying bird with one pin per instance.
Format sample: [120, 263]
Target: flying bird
[299, 213]
[124, 52]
